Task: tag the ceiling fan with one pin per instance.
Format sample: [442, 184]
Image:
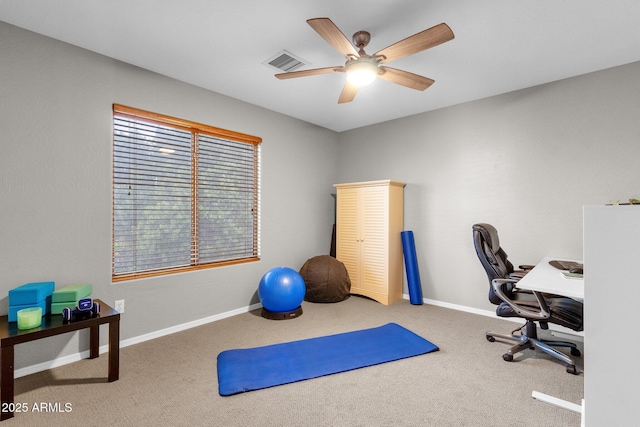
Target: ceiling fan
[362, 69]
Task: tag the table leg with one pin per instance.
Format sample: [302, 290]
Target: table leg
[557, 402]
[114, 350]
[6, 382]
[94, 342]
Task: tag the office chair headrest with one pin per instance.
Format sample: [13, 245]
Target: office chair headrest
[489, 235]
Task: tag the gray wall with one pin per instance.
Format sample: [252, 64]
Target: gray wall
[525, 161]
[55, 186]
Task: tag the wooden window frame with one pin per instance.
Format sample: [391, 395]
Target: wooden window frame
[195, 129]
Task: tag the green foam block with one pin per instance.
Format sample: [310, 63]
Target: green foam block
[71, 293]
[57, 307]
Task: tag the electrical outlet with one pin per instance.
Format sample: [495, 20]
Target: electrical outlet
[119, 306]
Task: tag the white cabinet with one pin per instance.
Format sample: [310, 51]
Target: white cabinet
[369, 220]
[611, 295]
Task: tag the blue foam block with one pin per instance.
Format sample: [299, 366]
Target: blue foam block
[31, 293]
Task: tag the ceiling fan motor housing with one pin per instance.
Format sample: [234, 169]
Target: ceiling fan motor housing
[361, 39]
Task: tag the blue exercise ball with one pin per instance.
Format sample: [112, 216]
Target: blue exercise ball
[281, 290]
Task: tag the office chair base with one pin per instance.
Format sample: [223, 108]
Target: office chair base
[530, 341]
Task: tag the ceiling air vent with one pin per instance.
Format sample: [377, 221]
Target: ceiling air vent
[285, 61]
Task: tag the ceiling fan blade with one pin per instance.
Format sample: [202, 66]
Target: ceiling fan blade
[332, 34]
[312, 72]
[348, 93]
[416, 43]
[405, 78]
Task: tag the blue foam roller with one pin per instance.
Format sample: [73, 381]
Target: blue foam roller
[411, 264]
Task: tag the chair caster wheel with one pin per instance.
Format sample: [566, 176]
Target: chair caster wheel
[490, 338]
[571, 369]
[575, 352]
[509, 357]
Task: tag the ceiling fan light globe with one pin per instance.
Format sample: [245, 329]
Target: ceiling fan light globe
[361, 73]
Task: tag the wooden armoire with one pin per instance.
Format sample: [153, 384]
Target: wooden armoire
[369, 220]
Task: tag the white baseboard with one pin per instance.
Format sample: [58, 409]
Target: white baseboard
[60, 361]
[556, 330]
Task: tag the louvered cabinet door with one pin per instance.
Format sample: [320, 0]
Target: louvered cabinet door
[348, 232]
[369, 221]
[374, 245]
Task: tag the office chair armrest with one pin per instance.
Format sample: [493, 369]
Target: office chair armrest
[517, 275]
[541, 314]
[523, 270]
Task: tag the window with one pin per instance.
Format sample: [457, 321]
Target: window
[185, 195]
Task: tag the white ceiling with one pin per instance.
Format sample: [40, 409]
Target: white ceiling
[499, 46]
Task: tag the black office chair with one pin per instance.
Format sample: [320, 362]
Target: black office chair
[531, 306]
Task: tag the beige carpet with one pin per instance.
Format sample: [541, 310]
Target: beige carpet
[172, 381]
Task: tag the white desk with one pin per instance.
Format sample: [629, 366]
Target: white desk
[546, 278]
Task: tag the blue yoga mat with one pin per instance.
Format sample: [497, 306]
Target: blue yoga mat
[249, 369]
[411, 264]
